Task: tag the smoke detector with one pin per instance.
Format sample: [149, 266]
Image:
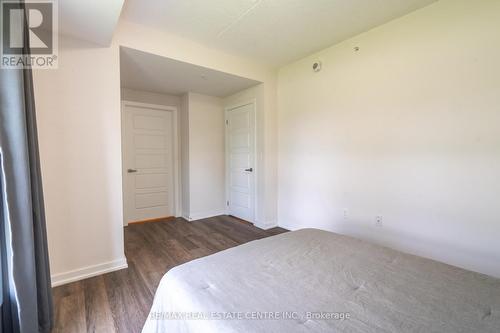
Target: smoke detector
[316, 66]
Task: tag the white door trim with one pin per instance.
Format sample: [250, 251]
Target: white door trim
[256, 170]
[173, 109]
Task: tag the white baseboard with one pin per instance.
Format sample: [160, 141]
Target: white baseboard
[205, 215]
[87, 272]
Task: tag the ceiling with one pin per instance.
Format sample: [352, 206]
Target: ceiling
[274, 32]
[149, 72]
[90, 20]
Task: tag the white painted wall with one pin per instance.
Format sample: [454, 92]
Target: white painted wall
[168, 45]
[206, 159]
[78, 109]
[407, 128]
[78, 114]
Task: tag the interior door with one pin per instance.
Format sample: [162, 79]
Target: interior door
[148, 163]
[240, 134]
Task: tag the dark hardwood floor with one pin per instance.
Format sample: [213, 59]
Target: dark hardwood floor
[120, 301]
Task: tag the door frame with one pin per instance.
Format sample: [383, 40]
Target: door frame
[175, 159]
[256, 173]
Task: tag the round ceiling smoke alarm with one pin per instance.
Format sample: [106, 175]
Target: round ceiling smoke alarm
[316, 66]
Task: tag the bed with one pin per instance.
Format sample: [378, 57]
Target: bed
[317, 281]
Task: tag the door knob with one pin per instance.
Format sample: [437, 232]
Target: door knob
[249, 170]
[131, 170]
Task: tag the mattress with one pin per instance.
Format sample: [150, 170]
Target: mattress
[317, 281]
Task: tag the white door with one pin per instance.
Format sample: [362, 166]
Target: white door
[240, 134]
[148, 163]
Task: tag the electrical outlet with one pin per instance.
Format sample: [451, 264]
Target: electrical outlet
[378, 221]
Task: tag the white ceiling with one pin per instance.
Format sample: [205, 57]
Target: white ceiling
[272, 31]
[90, 20]
[149, 72]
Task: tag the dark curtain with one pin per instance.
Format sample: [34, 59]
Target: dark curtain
[25, 275]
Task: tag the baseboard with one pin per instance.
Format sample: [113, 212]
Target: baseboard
[205, 215]
[88, 272]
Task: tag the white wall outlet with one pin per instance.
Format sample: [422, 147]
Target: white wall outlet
[379, 222]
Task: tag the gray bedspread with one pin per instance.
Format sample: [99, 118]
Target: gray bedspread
[317, 281]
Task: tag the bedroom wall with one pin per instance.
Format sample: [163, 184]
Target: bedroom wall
[78, 115]
[153, 41]
[206, 150]
[80, 143]
[407, 128]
